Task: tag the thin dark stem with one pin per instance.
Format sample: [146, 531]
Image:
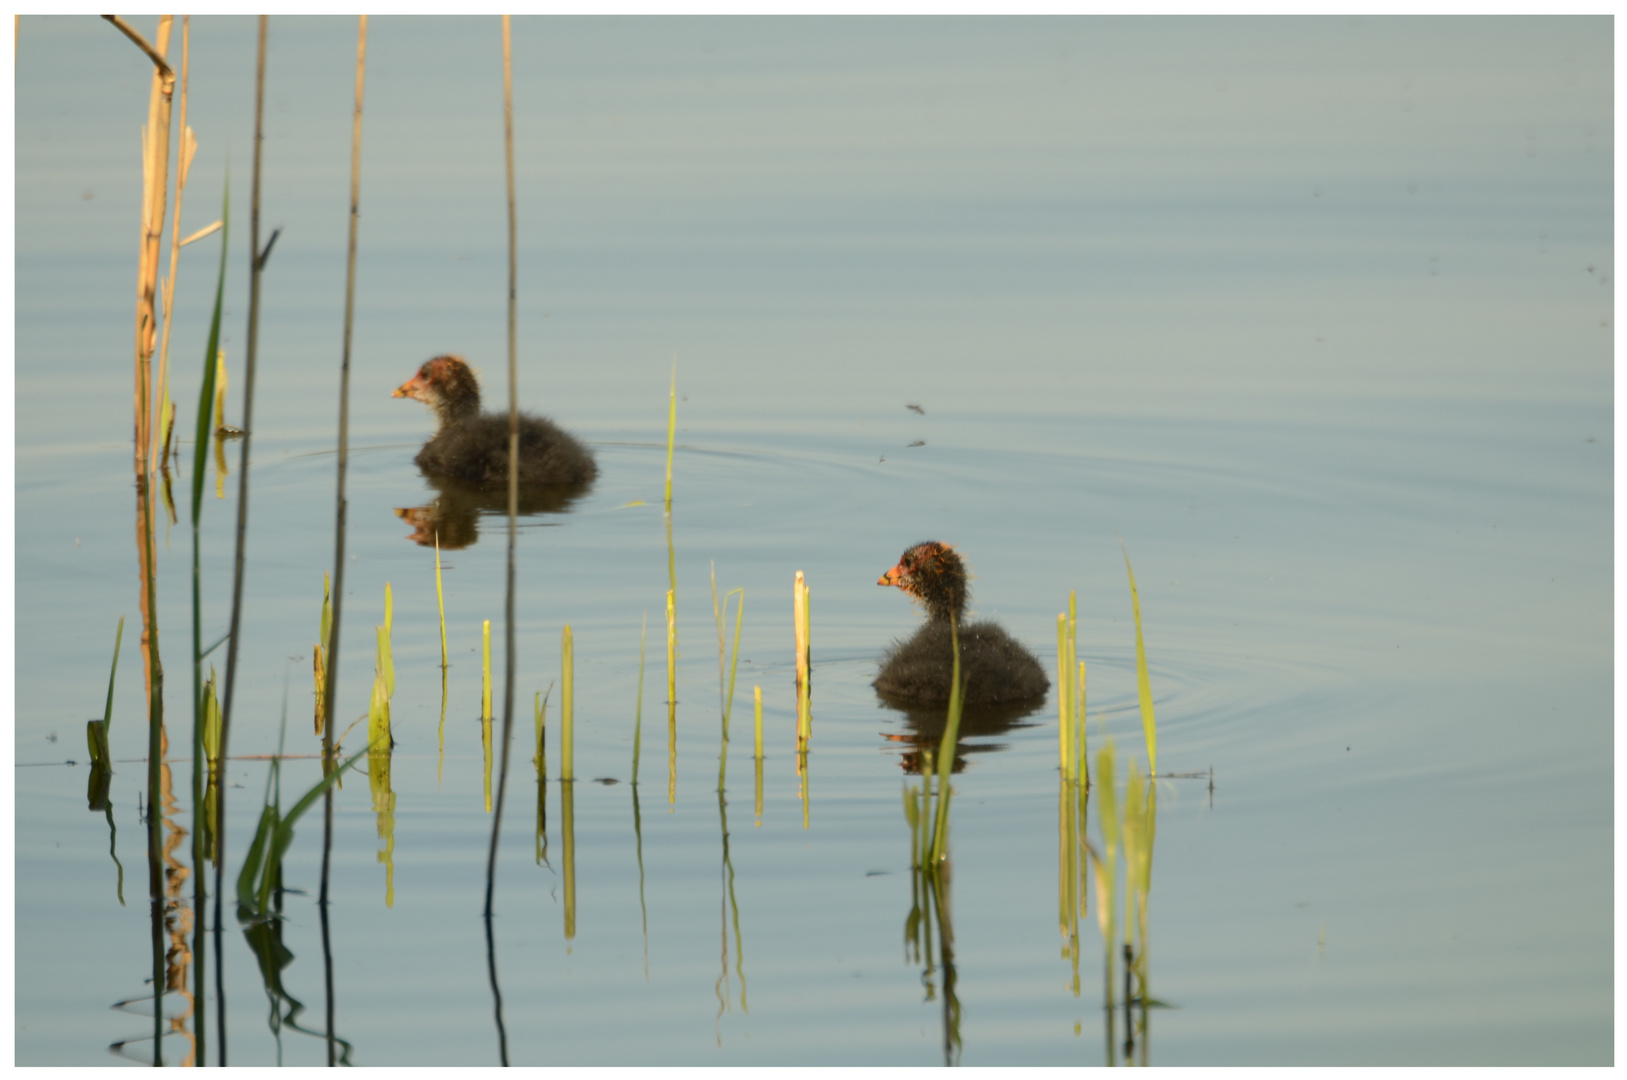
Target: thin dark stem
[256, 263]
[513, 476]
[496, 993]
[327, 968]
[330, 677]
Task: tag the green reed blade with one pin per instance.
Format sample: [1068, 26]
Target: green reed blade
[540, 708]
[946, 752]
[107, 714]
[1149, 723]
[276, 833]
[247, 878]
[206, 392]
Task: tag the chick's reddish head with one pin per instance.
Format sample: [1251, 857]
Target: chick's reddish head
[447, 385]
[935, 575]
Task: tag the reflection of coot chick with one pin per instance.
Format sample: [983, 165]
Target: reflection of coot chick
[454, 516]
[474, 449]
[997, 668]
[980, 725]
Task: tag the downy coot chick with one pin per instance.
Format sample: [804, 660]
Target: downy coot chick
[996, 667]
[473, 448]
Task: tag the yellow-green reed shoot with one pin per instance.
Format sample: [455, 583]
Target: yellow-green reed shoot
[1149, 724]
[1081, 768]
[1065, 858]
[485, 705]
[672, 647]
[638, 707]
[211, 754]
[378, 710]
[799, 615]
[380, 742]
[319, 658]
[567, 806]
[757, 759]
[1079, 726]
[757, 711]
[440, 599]
[672, 429]
[567, 702]
[946, 752]
[1069, 692]
[1064, 699]
[211, 726]
[485, 671]
[220, 390]
[720, 615]
[219, 428]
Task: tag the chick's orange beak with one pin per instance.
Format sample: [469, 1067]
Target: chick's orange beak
[410, 388]
[892, 577]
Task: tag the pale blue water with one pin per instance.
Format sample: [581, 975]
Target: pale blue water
[1315, 315]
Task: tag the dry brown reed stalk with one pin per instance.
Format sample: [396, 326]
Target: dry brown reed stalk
[183, 164]
[155, 164]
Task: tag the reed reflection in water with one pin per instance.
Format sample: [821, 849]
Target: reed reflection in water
[929, 908]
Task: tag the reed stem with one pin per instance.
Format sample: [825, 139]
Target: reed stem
[638, 707]
[946, 753]
[567, 707]
[513, 461]
[257, 259]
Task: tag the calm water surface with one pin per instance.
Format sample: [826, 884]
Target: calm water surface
[1316, 316]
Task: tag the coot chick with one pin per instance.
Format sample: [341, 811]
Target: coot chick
[473, 448]
[997, 669]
